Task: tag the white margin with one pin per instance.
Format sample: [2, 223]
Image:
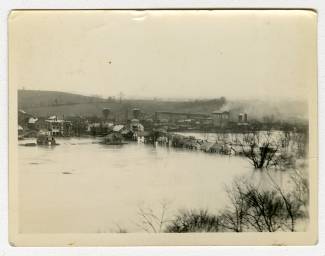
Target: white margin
[7, 5]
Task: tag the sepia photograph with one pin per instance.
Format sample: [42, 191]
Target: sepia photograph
[163, 127]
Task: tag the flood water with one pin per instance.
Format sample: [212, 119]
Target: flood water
[81, 186]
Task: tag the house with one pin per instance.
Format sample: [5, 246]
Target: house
[94, 129]
[23, 118]
[118, 128]
[79, 124]
[32, 123]
[58, 127]
[137, 129]
[113, 139]
[20, 131]
[136, 126]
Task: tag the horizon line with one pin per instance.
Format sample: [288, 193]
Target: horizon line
[161, 98]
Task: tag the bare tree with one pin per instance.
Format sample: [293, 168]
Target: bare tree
[265, 210]
[233, 218]
[260, 151]
[252, 208]
[263, 149]
[293, 201]
[301, 186]
[194, 221]
[151, 221]
[300, 139]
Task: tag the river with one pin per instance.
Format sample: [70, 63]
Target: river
[82, 186]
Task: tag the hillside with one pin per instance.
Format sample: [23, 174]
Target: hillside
[34, 99]
[46, 103]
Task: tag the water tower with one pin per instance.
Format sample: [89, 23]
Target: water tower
[136, 113]
[106, 112]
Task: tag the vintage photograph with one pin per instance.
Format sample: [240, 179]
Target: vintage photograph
[153, 122]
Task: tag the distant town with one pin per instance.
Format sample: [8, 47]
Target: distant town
[135, 122]
[118, 121]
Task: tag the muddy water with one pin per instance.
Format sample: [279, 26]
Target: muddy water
[81, 186]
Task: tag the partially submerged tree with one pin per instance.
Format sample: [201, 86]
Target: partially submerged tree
[264, 149]
[260, 150]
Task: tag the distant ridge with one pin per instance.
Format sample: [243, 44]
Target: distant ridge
[37, 98]
[45, 103]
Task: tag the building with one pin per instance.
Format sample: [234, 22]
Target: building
[79, 125]
[136, 127]
[20, 130]
[118, 128]
[94, 128]
[26, 120]
[220, 119]
[242, 119]
[32, 123]
[58, 127]
[173, 117]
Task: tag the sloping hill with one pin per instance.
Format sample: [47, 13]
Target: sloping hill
[34, 99]
[45, 103]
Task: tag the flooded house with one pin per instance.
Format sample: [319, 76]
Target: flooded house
[20, 133]
[113, 139]
[79, 125]
[58, 127]
[136, 126]
[29, 125]
[32, 123]
[20, 130]
[118, 128]
[28, 121]
[100, 128]
[23, 118]
[137, 129]
[94, 128]
[46, 140]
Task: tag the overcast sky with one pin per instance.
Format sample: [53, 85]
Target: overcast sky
[165, 54]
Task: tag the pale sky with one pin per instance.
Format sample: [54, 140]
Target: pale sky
[165, 54]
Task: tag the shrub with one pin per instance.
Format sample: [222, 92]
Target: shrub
[193, 221]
